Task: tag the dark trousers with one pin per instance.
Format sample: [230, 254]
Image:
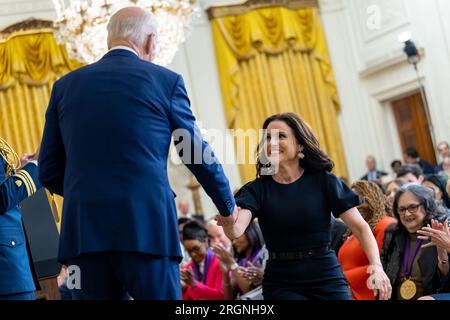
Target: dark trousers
[115, 275]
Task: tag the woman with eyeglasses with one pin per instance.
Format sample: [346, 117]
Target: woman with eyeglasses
[414, 268]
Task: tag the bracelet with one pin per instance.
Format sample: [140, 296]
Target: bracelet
[443, 261]
[234, 266]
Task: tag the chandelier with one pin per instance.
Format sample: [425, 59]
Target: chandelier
[81, 25]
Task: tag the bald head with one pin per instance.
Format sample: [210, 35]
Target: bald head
[133, 27]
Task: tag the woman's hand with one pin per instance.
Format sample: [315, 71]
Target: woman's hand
[253, 274]
[379, 282]
[187, 276]
[438, 234]
[223, 255]
[25, 159]
[235, 225]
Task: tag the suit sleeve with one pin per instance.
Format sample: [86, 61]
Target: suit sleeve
[196, 154]
[52, 160]
[18, 187]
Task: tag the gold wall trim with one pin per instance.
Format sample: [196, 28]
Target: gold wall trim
[25, 27]
[240, 9]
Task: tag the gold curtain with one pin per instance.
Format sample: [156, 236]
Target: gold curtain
[274, 60]
[30, 62]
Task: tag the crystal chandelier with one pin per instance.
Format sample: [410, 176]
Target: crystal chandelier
[81, 25]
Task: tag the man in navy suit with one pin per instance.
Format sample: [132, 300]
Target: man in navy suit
[105, 147]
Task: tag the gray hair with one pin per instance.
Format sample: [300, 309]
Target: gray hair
[134, 27]
[425, 196]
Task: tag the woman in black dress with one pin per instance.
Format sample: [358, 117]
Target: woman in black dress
[293, 197]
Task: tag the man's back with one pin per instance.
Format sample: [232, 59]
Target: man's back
[115, 119]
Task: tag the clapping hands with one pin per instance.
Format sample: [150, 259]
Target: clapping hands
[253, 274]
[437, 233]
[187, 277]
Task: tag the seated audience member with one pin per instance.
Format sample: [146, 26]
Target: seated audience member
[372, 173]
[248, 253]
[184, 209]
[444, 151]
[412, 173]
[413, 269]
[396, 166]
[201, 279]
[445, 168]
[351, 255]
[448, 186]
[411, 156]
[438, 184]
[391, 189]
[338, 231]
[216, 235]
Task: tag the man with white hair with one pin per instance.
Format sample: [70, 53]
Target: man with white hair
[105, 147]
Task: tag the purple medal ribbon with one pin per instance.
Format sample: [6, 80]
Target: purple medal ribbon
[407, 260]
[208, 260]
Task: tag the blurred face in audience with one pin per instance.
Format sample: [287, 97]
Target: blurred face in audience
[391, 190]
[432, 186]
[444, 150]
[446, 164]
[411, 178]
[409, 160]
[241, 244]
[397, 167]
[196, 249]
[411, 212]
[371, 163]
[286, 147]
[217, 236]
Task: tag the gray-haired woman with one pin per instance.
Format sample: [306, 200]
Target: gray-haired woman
[414, 270]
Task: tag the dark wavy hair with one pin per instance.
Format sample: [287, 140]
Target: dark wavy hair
[439, 181]
[254, 237]
[315, 158]
[193, 230]
[425, 196]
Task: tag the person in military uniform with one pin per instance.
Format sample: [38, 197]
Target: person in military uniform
[18, 180]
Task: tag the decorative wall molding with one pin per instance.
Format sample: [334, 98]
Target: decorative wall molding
[330, 6]
[239, 9]
[385, 61]
[29, 24]
[398, 90]
[393, 16]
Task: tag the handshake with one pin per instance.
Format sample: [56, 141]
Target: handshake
[27, 158]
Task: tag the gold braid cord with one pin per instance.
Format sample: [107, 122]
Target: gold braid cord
[11, 158]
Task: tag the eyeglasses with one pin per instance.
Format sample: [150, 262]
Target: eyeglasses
[412, 208]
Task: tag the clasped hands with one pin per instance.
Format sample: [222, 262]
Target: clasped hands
[27, 158]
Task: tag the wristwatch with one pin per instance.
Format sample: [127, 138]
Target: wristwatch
[234, 266]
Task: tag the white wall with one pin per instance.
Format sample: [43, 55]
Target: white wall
[371, 70]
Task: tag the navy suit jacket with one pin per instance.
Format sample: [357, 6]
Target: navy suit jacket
[105, 148]
[16, 268]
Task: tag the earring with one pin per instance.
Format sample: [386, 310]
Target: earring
[301, 155]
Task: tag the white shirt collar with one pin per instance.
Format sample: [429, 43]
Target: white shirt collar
[124, 48]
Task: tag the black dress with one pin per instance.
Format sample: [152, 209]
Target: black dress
[295, 217]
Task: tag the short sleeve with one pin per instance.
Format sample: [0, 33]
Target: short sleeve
[340, 197]
[248, 197]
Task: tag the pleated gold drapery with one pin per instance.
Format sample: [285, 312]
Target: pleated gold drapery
[274, 60]
[30, 62]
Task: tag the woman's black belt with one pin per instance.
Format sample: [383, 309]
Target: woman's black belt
[295, 255]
